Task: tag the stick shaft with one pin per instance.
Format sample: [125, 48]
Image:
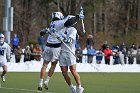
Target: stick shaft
[83, 26]
[64, 44]
[70, 50]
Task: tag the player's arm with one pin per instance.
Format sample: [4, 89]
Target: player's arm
[71, 36]
[68, 38]
[8, 53]
[44, 31]
[72, 20]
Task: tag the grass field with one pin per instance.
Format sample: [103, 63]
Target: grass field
[92, 82]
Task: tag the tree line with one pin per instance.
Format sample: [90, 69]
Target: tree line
[115, 21]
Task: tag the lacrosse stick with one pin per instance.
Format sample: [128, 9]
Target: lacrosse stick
[82, 16]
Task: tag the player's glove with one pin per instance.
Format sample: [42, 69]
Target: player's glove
[44, 31]
[65, 39]
[52, 30]
[68, 40]
[61, 37]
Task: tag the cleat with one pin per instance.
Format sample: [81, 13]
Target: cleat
[40, 88]
[3, 78]
[46, 85]
[80, 90]
[73, 89]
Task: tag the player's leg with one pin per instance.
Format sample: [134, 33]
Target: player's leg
[46, 55]
[64, 70]
[50, 73]
[77, 79]
[51, 70]
[4, 72]
[54, 55]
[75, 74]
[42, 74]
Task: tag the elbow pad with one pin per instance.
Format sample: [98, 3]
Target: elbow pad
[70, 22]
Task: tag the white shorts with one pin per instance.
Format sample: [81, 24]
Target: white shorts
[66, 59]
[3, 63]
[51, 54]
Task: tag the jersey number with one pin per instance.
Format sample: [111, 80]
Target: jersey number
[2, 52]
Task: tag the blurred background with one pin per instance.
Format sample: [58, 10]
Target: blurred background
[114, 21]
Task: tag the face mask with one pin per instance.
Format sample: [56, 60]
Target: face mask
[1, 40]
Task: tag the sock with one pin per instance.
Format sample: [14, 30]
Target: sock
[40, 83]
[41, 80]
[79, 86]
[48, 78]
[71, 85]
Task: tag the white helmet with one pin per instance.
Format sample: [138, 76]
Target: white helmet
[57, 15]
[1, 38]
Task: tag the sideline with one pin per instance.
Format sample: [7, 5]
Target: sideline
[24, 90]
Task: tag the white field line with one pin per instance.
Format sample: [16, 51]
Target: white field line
[24, 90]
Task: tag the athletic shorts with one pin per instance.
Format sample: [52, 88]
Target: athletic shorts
[66, 59]
[51, 53]
[3, 63]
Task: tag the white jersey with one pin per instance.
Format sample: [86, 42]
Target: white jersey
[5, 51]
[70, 33]
[66, 57]
[58, 25]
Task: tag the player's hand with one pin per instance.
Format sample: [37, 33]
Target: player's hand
[44, 31]
[68, 40]
[61, 37]
[53, 30]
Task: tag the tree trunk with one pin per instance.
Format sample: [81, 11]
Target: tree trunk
[95, 22]
[138, 15]
[73, 7]
[127, 19]
[105, 18]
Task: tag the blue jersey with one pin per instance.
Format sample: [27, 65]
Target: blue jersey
[99, 57]
[91, 51]
[15, 41]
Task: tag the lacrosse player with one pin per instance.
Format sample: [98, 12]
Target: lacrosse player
[68, 60]
[5, 51]
[52, 50]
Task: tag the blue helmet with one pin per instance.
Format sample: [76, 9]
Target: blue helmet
[1, 38]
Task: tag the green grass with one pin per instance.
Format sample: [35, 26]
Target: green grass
[92, 82]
